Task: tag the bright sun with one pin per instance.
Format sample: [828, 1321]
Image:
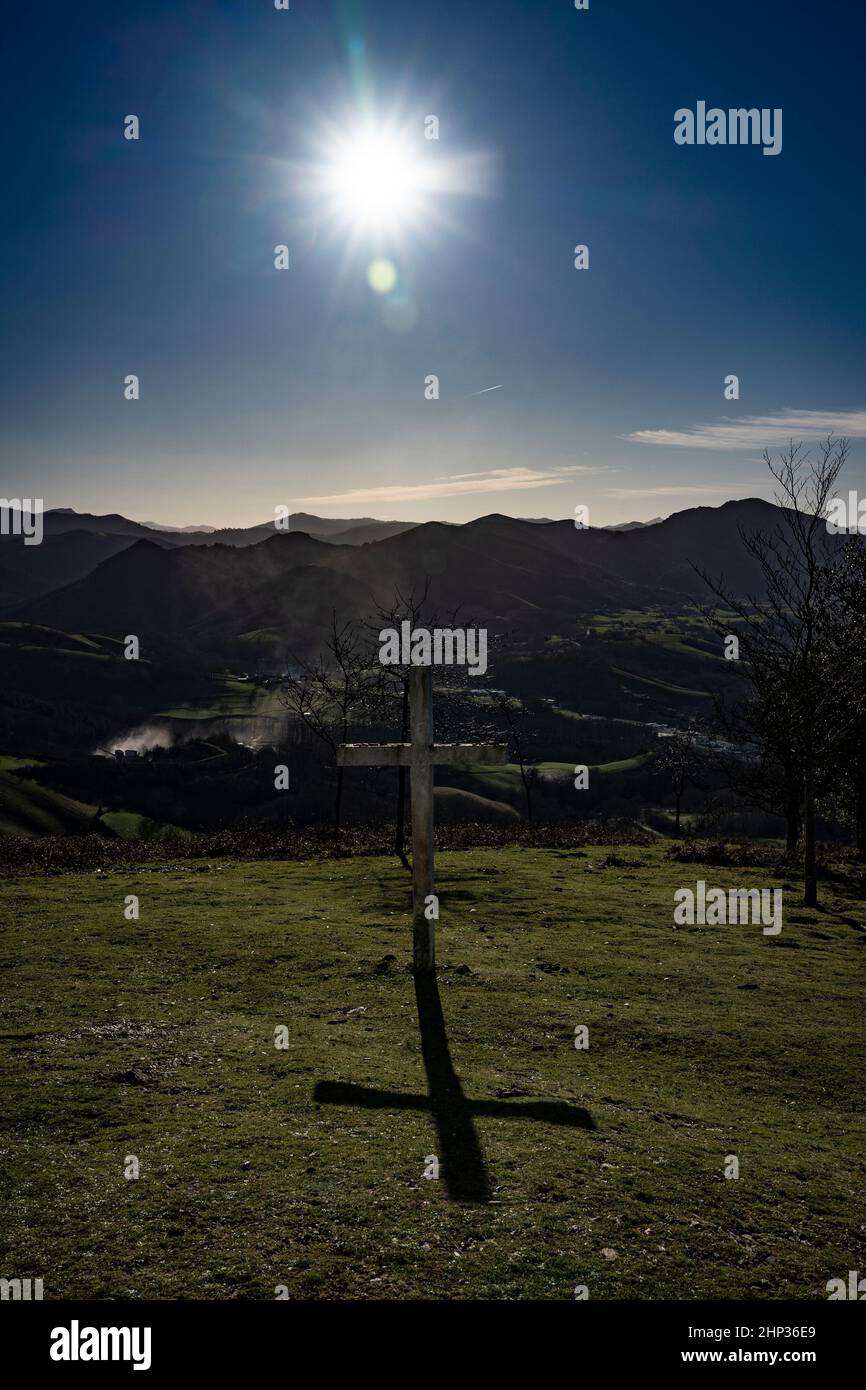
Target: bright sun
[375, 181]
[380, 183]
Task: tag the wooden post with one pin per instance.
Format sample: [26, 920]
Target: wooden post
[421, 764]
[419, 756]
[810, 875]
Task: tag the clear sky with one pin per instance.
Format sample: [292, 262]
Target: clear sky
[304, 387]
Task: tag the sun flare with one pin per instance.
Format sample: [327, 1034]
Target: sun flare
[375, 180]
[381, 184]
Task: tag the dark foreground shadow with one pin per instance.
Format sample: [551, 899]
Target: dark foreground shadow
[461, 1161]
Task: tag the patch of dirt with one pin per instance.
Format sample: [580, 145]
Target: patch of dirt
[122, 1028]
[152, 1072]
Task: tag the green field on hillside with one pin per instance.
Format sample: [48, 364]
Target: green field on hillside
[10, 762]
[26, 808]
[505, 777]
[229, 696]
[304, 1167]
[680, 691]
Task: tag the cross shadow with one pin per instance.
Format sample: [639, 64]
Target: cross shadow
[462, 1164]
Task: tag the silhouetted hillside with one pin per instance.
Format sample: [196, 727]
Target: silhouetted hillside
[508, 573]
[63, 557]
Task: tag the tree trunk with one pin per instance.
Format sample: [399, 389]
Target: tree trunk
[677, 825]
[400, 830]
[860, 815]
[810, 888]
[423, 926]
[338, 807]
[527, 788]
[792, 821]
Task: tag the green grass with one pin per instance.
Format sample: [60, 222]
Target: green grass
[680, 691]
[155, 1038]
[10, 762]
[36, 637]
[622, 764]
[468, 805]
[229, 697]
[131, 825]
[674, 642]
[496, 778]
[58, 650]
[28, 809]
[40, 635]
[505, 777]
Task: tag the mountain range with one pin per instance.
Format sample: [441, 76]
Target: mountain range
[235, 589]
[80, 540]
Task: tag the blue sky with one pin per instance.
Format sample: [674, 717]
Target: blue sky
[303, 387]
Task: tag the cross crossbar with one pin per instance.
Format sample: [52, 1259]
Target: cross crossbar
[420, 756]
[400, 754]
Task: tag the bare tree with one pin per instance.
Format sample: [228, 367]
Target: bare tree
[333, 691]
[515, 715]
[403, 608]
[843, 625]
[677, 756]
[779, 632]
[757, 760]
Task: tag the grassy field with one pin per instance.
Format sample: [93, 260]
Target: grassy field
[304, 1167]
[229, 696]
[682, 692]
[26, 808]
[504, 778]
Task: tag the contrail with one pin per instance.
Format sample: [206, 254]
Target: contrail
[486, 389]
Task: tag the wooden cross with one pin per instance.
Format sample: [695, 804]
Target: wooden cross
[419, 756]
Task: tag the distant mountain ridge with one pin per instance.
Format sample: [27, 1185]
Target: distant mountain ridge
[633, 525]
[184, 530]
[81, 540]
[510, 574]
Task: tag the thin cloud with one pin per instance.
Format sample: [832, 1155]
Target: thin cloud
[759, 431]
[481, 473]
[455, 485]
[510, 472]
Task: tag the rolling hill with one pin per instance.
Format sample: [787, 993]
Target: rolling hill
[74, 543]
[507, 573]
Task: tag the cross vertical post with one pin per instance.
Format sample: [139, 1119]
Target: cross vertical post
[419, 756]
[421, 765]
